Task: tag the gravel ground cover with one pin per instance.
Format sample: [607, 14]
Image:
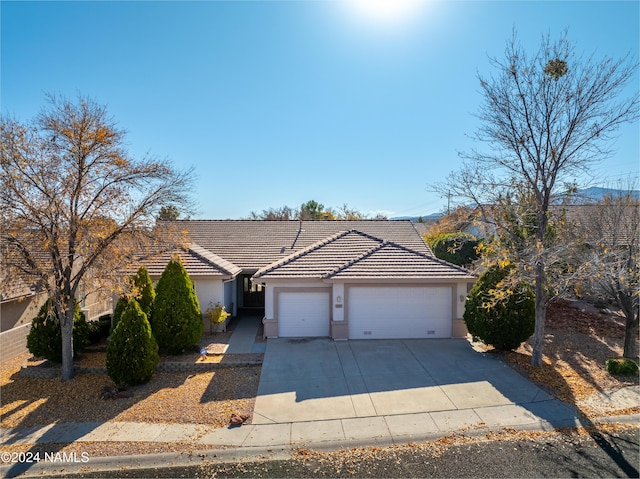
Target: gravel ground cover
[207, 398]
[578, 341]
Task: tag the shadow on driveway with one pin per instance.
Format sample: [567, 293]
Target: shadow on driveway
[312, 379]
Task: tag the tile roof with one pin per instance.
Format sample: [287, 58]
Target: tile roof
[613, 225]
[14, 286]
[253, 244]
[196, 260]
[357, 255]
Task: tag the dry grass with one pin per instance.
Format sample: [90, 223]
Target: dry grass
[577, 345]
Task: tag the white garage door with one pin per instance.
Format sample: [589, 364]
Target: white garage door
[304, 314]
[399, 312]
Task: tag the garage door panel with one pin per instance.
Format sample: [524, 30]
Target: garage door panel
[399, 312]
[303, 314]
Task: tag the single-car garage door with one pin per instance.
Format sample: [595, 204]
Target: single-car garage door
[303, 314]
[396, 312]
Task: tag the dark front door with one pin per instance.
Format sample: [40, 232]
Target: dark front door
[252, 293]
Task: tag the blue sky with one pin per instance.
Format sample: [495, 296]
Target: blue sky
[279, 102]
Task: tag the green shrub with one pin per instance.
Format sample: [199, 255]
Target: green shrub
[456, 248]
[216, 313]
[143, 290]
[503, 319]
[621, 366]
[121, 305]
[176, 320]
[132, 353]
[99, 330]
[80, 331]
[45, 337]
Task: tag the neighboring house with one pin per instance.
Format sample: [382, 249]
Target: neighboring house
[20, 303]
[340, 279]
[608, 224]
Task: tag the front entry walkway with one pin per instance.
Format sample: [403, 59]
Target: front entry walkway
[243, 338]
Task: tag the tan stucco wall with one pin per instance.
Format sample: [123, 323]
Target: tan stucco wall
[20, 311]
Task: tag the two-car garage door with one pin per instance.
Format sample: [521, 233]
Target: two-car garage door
[399, 312]
[372, 312]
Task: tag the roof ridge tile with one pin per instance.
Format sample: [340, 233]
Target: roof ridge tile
[356, 259]
[387, 243]
[300, 253]
[213, 258]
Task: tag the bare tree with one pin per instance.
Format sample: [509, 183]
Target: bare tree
[347, 213]
[75, 205]
[609, 257]
[275, 214]
[545, 119]
[311, 210]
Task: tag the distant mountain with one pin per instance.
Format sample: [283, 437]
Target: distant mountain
[425, 218]
[580, 197]
[593, 195]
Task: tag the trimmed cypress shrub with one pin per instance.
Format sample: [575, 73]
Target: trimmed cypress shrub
[45, 337]
[457, 248]
[503, 319]
[143, 290]
[132, 353]
[121, 305]
[176, 318]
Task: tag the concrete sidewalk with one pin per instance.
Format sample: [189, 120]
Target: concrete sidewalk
[351, 431]
[275, 441]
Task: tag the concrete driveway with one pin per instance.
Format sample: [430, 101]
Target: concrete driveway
[321, 379]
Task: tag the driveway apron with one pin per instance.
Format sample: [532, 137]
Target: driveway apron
[322, 379]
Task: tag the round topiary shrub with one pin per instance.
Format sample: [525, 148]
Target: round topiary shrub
[503, 318]
[457, 248]
[132, 353]
[621, 366]
[45, 337]
[176, 320]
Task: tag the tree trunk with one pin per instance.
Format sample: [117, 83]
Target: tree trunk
[541, 312]
[630, 336]
[67, 344]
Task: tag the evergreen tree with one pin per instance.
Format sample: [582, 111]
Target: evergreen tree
[132, 353]
[121, 305]
[457, 248]
[497, 313]
[45, 337]
[176, 318]
[143, 290]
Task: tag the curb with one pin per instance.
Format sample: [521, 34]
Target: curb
[228, 454]
[144, 461]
